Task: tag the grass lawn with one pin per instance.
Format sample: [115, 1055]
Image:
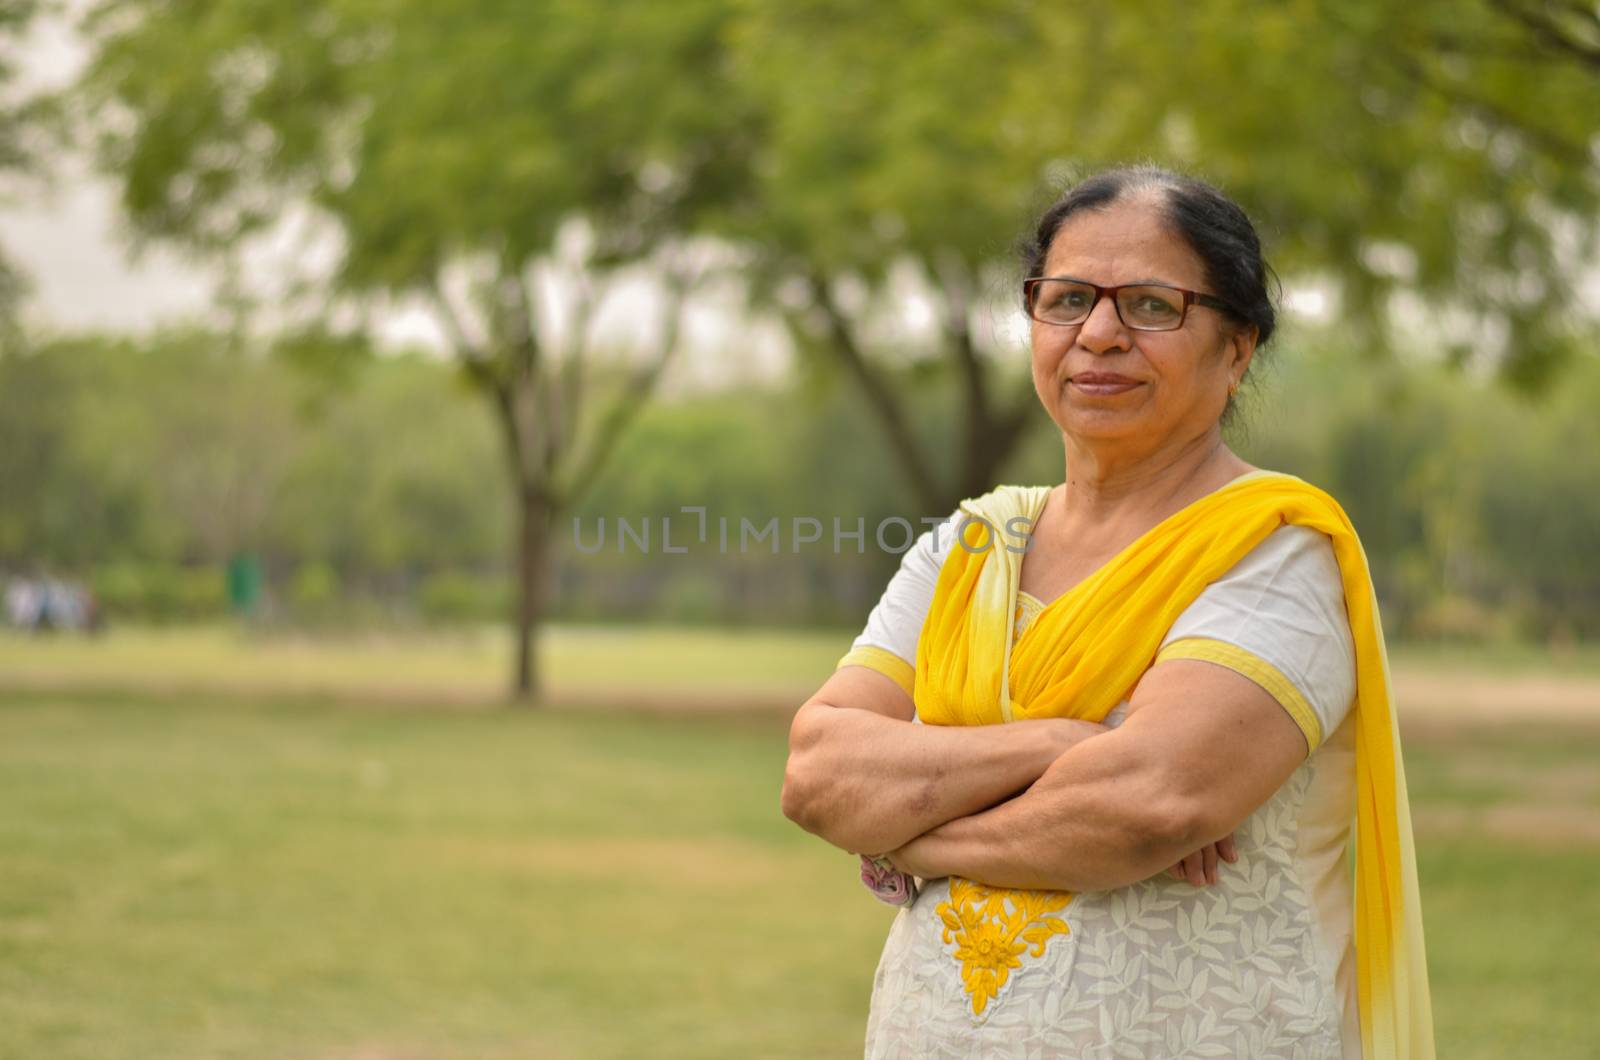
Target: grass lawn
[684, 667]
[272, 880]
[462, 666]
[183, 877]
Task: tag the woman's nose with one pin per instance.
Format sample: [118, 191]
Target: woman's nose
[1103, 329]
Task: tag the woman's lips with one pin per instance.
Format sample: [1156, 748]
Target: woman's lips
[1103, 388]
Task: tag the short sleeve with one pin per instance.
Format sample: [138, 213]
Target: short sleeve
[888, 644]
[1278, 617]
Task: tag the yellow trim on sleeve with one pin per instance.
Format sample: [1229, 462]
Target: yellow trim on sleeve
[885, 662]
[1257, 669]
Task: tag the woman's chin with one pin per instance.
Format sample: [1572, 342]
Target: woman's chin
[1097, 423]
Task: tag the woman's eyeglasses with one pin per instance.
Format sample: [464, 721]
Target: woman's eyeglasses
[1140, 306]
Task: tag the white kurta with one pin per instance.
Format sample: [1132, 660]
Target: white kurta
[1260, 964]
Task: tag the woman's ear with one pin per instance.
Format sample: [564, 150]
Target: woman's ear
[1240, 345]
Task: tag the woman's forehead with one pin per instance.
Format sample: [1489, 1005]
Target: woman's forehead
[1128, 241]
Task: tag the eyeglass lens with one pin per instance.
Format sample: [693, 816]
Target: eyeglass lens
[1148, 307]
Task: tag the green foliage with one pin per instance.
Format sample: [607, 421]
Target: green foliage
[313, 590]
[1431, 167]
[889, 131]
[451, 597]
[1475, 506]
[42, 471]
[486, 146]
[428, 132]
[159, 592]
[171, 447]
[1441, 150]
[17, 118]
[149, 456]
[404, 476]
[1437, 154]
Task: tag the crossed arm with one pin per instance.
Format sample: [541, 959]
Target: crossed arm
[1048, 804]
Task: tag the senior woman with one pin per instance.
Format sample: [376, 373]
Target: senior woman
[1148, 858]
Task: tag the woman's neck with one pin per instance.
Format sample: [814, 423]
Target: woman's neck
[1106, 493]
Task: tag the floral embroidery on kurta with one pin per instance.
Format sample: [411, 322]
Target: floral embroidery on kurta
[991, 928]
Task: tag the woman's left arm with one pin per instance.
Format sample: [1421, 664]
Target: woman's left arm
[1202, 747]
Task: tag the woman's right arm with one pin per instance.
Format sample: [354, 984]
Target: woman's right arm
[866, 778]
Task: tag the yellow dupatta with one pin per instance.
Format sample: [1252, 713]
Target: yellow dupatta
[1085, 652]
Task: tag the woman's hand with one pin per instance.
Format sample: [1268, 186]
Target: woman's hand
[1067, 733]
[864, 778]
[1200, 868]
[908, 860]
[919, 856]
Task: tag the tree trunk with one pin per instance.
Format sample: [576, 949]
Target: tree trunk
[987, 450]
[533, 564]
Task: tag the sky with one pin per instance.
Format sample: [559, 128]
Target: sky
[63, 231]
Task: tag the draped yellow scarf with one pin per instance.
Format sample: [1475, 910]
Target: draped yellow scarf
[1085, 652]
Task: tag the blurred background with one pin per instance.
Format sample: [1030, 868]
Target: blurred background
[432, 436]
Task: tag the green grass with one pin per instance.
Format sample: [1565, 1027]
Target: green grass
[295, 881]
[1511, 915]
[1512, 958]
[1576, 660]
[472, 665]
[183, 876]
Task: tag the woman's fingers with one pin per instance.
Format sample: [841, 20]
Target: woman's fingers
[1225, 847]
[1200, 868]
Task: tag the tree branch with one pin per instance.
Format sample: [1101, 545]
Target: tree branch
[569, 409]
[1550, 32]
[479, 368]
[1446, 42]
[451, 321]
[534, 384]
[955, 284]
[1552, 144]
[880, 397]
[521, 326]
[630, 399]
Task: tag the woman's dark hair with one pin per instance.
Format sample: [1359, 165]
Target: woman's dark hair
[1213, 225]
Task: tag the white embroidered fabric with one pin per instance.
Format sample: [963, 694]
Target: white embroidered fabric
[1257, 965]
[1260, 964]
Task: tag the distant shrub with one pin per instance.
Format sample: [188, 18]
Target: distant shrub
[314, 591]
[159, 592]
[452, 596]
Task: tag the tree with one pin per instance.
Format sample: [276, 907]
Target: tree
[890, 174]
[516, 166]
[512, 166]
[1436, 159]
[15, 117]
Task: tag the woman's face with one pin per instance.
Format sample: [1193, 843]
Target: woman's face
[1180, 378]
